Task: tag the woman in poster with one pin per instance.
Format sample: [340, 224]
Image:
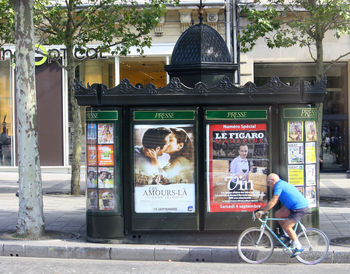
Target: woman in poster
[181, 152]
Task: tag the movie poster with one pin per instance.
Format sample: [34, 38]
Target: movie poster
[237, 164]
[164, 168]
[107, 199]
[91, 134]
[92, 199]
[105, 177]
[92, 155]
[105, 133]
[295, 131]
[295, 153]
[105, 155]
[91, 180]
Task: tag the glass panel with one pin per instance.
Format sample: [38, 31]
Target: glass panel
[335, 107]
[143, 70]
[5, 115]
[334, 152]
[238, 160]
[164, 168]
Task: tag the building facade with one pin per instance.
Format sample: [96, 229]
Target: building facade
[259, 65]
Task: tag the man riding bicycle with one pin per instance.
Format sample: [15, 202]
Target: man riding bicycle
[295, 206]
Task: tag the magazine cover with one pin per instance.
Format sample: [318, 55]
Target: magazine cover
[295, 131]
[105, 177]
[310, 129]
[310, 152]
[105, 133]
[311, 195]
[91, 180]
[237, 164]
[91, 134]
[295, 153]
[310, 174]
[164, 168]
[107, 200]
[105, 155]
[92, 199]
[92, 155]
[296, 175]
[301, 190]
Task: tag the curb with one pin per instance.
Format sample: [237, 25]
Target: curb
[149, 253]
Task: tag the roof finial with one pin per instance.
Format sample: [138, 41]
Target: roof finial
[200, 11]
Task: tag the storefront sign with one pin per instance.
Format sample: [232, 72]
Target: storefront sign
[237, 164]
[235, 114]
[300, 113]
[164, 180]
[102, 115]
[164, 115]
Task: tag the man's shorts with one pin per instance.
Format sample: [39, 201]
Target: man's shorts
[297, 214]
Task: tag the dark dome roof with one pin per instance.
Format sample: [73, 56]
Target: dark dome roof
[200, 44]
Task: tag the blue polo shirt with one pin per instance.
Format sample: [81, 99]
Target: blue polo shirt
[289, 195]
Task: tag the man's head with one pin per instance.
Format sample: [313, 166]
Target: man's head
[156, 138]
[272, 179]
[243, 151]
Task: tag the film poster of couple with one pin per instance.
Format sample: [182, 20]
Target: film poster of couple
[164, 168]
[237, 164]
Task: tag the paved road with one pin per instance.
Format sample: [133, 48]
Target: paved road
[44, 265]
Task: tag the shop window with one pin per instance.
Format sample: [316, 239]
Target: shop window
[141, 71]
[334, 147]
[5, 115]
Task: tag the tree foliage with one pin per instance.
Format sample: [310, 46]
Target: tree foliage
[7, 24]
[112, 25]
[285, 23]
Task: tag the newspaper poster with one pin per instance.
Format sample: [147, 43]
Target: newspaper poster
[164, 171]
[92, 155]
[295, 131]
[91, 180]
[105, 133]
[310, 152]
[91, 134]
[296, 175]
[105, 155]
[295, 153]
[105, 177]
[237, 164]
[310, 174]
[310, 195]
[92, 199]
[107, 199]
[310, 131]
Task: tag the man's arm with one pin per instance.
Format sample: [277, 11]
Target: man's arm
[271, 203]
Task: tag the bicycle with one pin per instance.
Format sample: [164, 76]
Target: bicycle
[255, 245]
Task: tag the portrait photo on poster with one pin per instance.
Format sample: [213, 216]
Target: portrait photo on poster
[238, 166]
[164, 178]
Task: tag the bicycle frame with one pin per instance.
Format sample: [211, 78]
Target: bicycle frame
[265, 225]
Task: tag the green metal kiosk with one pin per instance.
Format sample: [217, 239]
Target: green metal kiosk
[164, 160]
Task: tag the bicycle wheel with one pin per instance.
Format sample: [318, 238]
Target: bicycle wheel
[315, 244]
[251, 251]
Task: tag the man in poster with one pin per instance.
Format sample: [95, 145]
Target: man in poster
[238, 184]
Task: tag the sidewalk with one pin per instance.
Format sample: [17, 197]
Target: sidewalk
[66, 214]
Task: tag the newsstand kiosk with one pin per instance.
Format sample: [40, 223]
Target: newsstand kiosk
[165, 159]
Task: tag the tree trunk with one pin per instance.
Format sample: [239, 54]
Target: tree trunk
[319, 60]
[30, 215]
[77, 131]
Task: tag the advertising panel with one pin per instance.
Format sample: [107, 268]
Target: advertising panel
[164, 168]
[238, 161]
